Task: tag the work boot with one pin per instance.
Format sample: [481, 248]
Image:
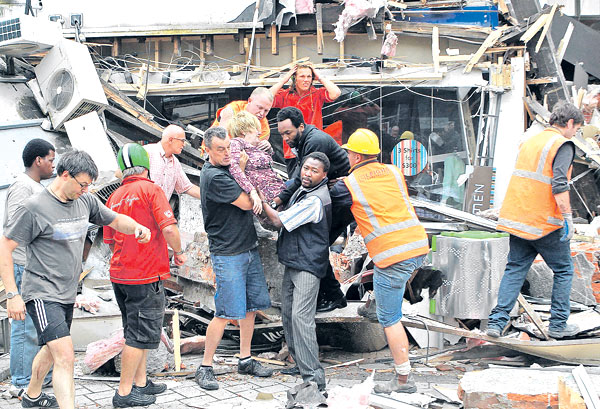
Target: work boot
[396, 385]
[568, 331]
[151, 388]
[494, 332]
[330, 305]
[250, 366]
[135, 398]
[369, 309]
[42, 401]
[205, 377]
[294, 370]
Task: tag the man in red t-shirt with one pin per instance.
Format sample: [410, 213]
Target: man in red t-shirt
[304, 96]
[137, 271]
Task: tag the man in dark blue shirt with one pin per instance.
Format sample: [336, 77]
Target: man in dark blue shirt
[241, 285]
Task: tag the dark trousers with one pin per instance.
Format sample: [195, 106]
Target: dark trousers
[329, 288]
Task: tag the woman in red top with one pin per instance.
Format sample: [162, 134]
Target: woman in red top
[304, 96]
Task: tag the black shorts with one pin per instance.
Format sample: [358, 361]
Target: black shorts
[52, 319]
[142, 310]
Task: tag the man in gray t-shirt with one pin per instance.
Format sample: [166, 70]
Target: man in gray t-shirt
[38, 159]
[53, 226]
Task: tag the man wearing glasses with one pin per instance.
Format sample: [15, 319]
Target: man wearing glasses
[52, 225]
[165, 169]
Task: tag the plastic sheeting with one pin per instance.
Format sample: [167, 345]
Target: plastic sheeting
[355, 11]
[305, 6]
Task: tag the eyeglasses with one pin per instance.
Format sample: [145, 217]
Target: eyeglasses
[181, 139]
[82, 185]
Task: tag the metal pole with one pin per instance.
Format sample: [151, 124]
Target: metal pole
[254, 21]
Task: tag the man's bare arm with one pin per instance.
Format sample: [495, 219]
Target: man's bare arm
[15, 306]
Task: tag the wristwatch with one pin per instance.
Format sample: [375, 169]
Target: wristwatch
[273, 204]
[10, 294]
[179, 253]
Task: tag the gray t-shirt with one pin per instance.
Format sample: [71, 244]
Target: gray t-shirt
[54, 233]
[22, 189]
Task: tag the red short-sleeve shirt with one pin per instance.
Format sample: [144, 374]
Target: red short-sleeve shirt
[133, 262]
[311, 106]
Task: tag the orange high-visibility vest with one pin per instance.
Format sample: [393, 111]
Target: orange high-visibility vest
[384, 214]
[239, 106]
[529, 209]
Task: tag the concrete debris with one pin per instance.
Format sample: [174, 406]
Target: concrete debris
[100, 352]
[514, 388]
[540, 278]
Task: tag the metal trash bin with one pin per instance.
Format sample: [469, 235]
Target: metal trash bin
[473, 263]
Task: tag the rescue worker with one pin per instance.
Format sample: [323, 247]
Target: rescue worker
[537, 213]
[396, 241]
[259, 104]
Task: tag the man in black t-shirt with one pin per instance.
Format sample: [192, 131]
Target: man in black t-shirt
[241, 285]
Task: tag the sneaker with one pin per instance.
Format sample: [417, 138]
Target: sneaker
[205, 377]
[493, 332]
[42, 401]
[568, 331]
[253, 367]
[135, 398]
[294, 370]
[369, 309]
[151, 388]
[394, 385]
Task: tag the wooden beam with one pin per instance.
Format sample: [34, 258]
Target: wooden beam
[274, 40]
[116, 48]
[156, 53]
[569, 398]
[533, 315]
[534, 28]
[294, 48]
[177, 46]
[546, 27]
[564, 43]
[241, 38]
[435, 49]
[319, 17]
[489, 41]
[142, 82]
[176, 341]
[129, 106]
[210, 44]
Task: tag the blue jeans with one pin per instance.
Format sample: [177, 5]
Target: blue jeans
[23, 343]
[557, 255]
[388, 285]
[241, 285]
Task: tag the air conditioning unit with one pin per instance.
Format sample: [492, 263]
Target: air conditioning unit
[26, 35]
[69, 83]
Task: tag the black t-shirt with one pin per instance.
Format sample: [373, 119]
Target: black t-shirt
[230, 229]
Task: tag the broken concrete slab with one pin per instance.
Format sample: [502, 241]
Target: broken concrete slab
[584, 351]
[500, 388]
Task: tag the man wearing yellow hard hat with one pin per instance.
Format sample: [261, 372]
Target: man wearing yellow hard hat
[396, 241]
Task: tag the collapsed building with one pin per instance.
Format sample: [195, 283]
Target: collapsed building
[468, 78]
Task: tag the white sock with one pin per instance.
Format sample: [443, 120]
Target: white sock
[403, 369]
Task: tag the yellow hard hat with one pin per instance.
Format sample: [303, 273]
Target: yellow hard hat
[407, 135]
[363, 141]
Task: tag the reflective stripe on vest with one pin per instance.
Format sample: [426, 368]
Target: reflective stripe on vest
[404, 237]
[519, 215]
[377, 229]
[400, 249]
